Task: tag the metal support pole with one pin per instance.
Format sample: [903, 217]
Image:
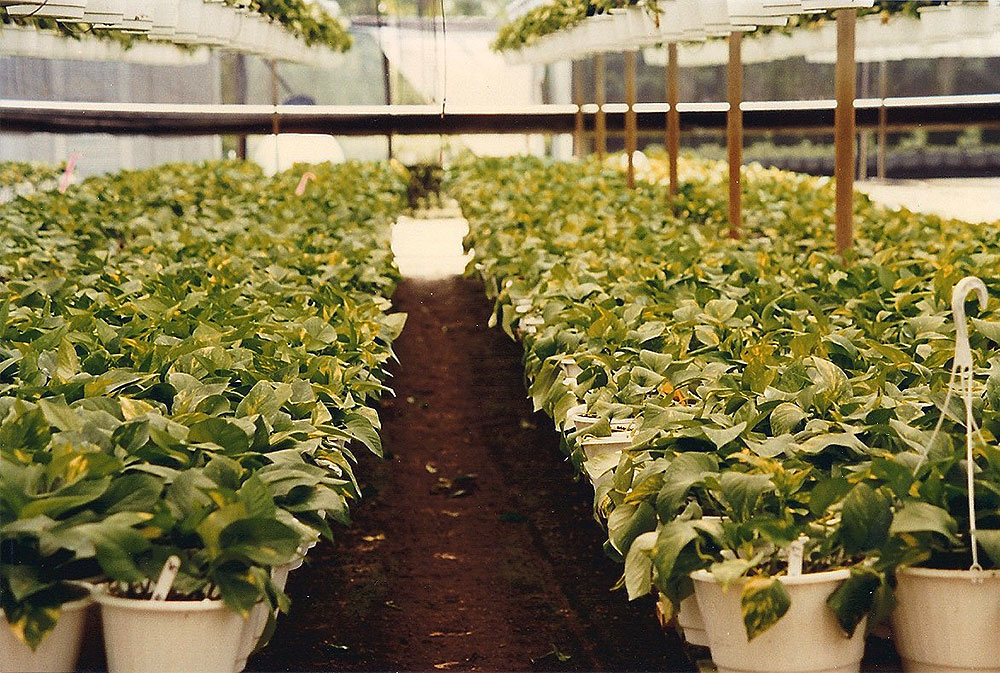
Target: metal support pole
[673, 115]
[600, 119]
[846, 75]
[734, 132]
[883, 120]
[631, 123]
[579, 151]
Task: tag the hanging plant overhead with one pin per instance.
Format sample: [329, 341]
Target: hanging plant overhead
[241, 24]
[564, 14]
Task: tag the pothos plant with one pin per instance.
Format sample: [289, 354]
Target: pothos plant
[746, 360]
[185, 355]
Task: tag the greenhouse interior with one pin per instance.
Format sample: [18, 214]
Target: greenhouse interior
[500, 335]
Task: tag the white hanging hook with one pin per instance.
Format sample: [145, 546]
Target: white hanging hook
[964, 368]
[965, 287]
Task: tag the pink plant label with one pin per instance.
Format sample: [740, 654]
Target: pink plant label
[301, 189]
[67, 176]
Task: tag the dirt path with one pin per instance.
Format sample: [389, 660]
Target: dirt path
[474, 549]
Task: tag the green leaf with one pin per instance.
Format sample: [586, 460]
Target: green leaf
[989, 329]
[785, 417]
[989, 540]
[855, 598]
[764, 600]
[865, 519]
[724, 436]
[639, 566]
[262, 541]
[921, 517]
[744, 492]
[229, 436]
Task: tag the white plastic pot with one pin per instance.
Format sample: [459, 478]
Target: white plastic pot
[946, 620]
[253, 629]
[150, 636]
[603, 453]
[807, 639]
[67, 10]
[691, 623]
[57, 653]
[105, 12]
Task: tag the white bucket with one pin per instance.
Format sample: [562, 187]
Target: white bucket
[807, 639]
[150, 636]
[692, 624]
[946, 620]
[59, 651]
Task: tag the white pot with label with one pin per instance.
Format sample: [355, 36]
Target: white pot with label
[807, 639]
[946, 620]
[143, 636]
[58, 653]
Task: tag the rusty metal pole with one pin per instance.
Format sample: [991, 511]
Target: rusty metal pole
[734, 132]
[600, 119]
[631, 123]
[673, 115]
[579, 151]
[846, 76]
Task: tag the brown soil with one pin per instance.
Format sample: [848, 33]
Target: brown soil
[474, 548]
[443, 570]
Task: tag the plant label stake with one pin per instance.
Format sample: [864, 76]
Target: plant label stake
[67, 176]
[301, 189]
[796, 552]
[166, 579]
[963, 370]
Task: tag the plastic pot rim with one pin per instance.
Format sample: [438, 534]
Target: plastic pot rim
[806, 578]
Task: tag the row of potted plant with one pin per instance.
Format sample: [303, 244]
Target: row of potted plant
[272, 28]
[571, 29]
[187, 355]
[20, 178]
[766, 425]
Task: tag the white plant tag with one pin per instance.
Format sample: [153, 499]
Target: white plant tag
[166, 579]
[796, 552]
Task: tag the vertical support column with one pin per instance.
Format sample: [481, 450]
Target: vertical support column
[844, 132]
[631, 123]
[673, 115]
[600, 120]
[274, 95]
[883, 120]
[734, 132]
[865, 136]
[578, 148]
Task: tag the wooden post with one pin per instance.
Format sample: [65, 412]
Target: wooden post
[865, 136]
[631, 125]
[275, 128]
[883, 120]
[846, 75]
[673, 116]
[600, 120]
[578, 149]
[734, 132]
